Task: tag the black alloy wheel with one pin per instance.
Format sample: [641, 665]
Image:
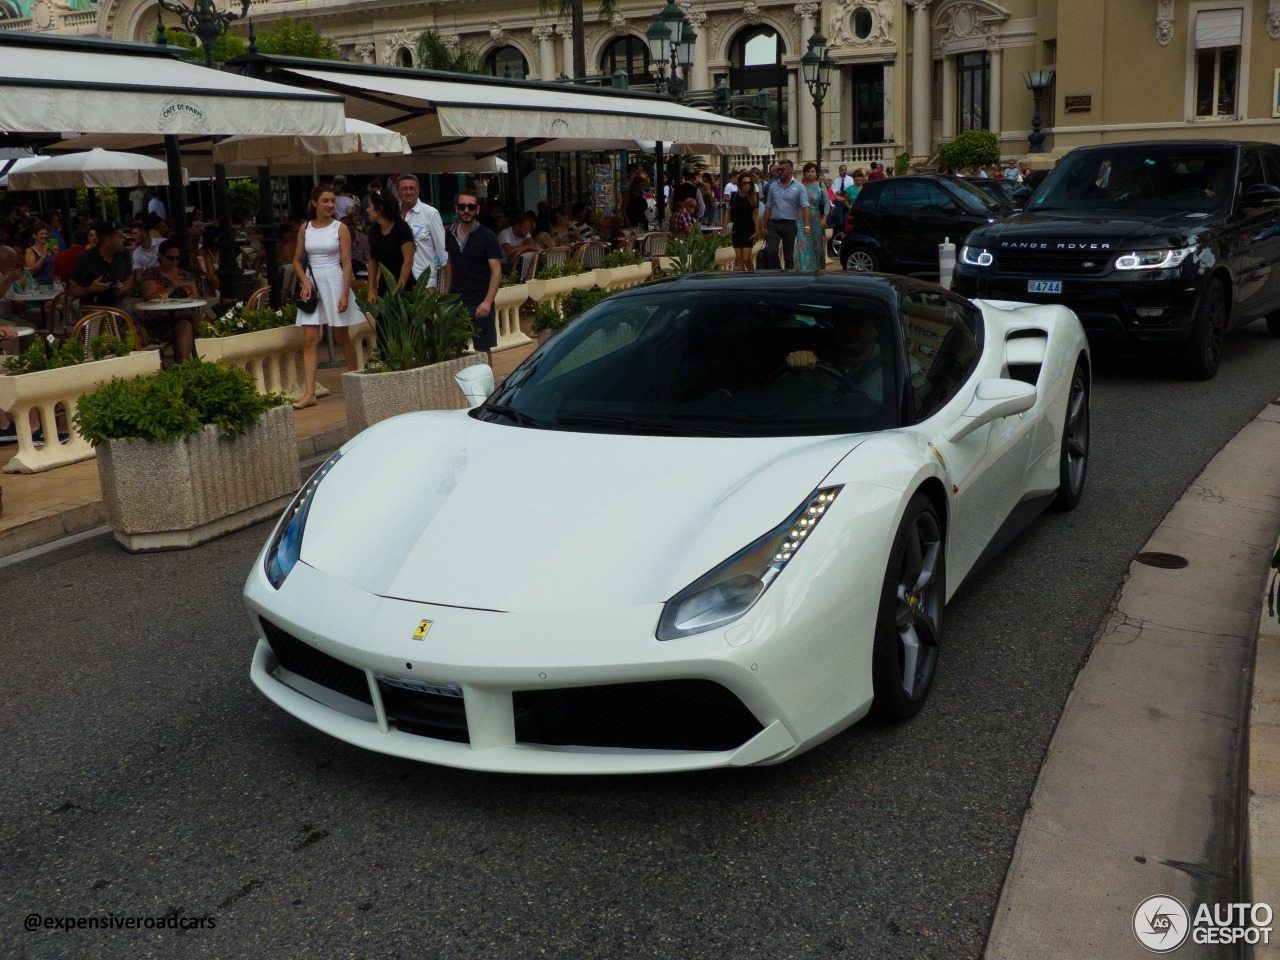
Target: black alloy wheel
[1073, 461]
[909, 623]
[1209, 328]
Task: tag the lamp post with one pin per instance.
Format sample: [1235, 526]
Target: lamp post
[817, 67]
[206, 23]
[1037, 82]
[671, 38]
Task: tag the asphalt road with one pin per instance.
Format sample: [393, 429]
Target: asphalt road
[144, 776]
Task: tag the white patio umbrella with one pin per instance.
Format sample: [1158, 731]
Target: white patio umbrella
[361, 141]
[95, 168]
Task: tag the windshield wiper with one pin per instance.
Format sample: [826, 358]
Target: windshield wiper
[643, 425]
[521, 419]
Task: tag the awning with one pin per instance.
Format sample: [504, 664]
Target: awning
[479, 113]
[94, 168]
[55, 84]
[360, 141]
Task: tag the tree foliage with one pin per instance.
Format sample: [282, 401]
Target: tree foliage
[227, 47]
[973, 148]
[297, 38]
[435, 54]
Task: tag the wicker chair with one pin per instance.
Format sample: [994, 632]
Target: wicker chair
[105, 320]
[528, 266]
[590, 253]
[64, 313]
[259, 299]
[553, 257]
[654, 245]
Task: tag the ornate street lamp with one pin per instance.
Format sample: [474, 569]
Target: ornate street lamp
[205, 22]
[1037, 82]
[817, 67]
[671, 38]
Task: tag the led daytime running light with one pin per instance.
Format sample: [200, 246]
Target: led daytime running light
[1153, 259]
[286, 544]
[976, 256]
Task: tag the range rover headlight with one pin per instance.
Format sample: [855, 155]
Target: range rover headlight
[729, 590]
[1165, 259]
[286, 543]
[976, 256]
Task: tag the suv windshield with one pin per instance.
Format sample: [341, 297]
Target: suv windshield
[1141, 177]
[973, 199]
[712, 362]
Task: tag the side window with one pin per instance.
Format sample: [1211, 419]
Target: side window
[937, 197]
[914, 195]
[1271, 165]
[1250, 170]
[880, 197]
[942, 337]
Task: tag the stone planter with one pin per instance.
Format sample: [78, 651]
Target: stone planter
[543, 290]
[372, 397]
[506, 314]
[49, 389]
[274, 357]
[617, 278]
[165, 495]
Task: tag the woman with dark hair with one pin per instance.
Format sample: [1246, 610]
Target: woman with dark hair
[325, 244]
[811, 242]
[204, 261]
[164, 281]
[637, 205]
[36, 255]
[744, 217]
[390, 246]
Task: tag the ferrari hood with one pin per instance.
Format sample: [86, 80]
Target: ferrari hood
[443, 508]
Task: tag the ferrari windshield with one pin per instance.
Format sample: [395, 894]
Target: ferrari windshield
[713, 362]
[1188, 179]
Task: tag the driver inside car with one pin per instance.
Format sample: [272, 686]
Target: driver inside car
[852, 362]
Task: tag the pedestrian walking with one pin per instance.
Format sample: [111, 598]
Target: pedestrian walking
[781, 213]
[474, 269]
[429, 253]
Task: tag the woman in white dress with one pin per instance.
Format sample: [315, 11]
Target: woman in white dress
[326, 243]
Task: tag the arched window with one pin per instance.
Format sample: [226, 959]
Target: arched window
[631, 56]
[756, 65]
[404, 57]
[507, 62]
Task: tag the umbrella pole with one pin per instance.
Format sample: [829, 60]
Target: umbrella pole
[267, 227]
[177, 199]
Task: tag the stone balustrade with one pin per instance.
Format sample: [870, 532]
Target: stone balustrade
[274, 357]
[52, 391]
[506, 315]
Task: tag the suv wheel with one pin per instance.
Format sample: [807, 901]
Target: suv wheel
[1209, 328]
[861, 259]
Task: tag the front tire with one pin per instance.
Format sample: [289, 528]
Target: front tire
[1203, 351]
[909, 621]
[861, 260]
[1073, 459]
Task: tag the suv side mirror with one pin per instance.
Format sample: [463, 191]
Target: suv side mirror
[1261, 194]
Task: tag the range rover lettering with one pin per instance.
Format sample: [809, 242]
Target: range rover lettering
[1159, 246]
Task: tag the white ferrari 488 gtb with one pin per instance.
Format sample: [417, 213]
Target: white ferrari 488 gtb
[712, 523]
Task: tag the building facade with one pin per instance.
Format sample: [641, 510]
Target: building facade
[909, 74]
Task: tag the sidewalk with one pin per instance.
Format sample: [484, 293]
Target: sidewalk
[41, 508]
[1156, 781]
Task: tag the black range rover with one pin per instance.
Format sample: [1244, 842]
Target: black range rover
[1163, 245]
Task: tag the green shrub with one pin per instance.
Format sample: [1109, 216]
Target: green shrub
[239, 320]
[416, 328]
[509, 279]
[563, 270]
[244, 200]
[547, 317]
[578, 301]
[973, 148]
[49, 354]
[175, 403]
[902, 164]
[621, 258]
[695, 253]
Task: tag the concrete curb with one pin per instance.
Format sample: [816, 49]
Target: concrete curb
[1140, 794]
[88, 513]
[1260, 872]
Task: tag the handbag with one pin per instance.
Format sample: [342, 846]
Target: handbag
[310, 304]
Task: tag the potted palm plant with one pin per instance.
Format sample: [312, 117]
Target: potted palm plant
[423, 340]
[189, 454]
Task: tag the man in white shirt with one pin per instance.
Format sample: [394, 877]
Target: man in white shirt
[843, 182]
[429, 253]
[155, 205]
[342, 200]
[517, 240]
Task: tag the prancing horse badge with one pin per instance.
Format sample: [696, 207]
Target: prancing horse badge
[421, 632]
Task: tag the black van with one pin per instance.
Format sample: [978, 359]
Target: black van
[1163, 245]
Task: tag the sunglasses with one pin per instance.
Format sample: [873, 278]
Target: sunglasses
[468, 206]
[173, 256]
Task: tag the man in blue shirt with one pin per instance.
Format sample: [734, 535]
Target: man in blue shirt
[781, 211]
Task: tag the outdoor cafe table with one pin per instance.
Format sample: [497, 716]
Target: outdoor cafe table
[43, 295]
[159, 306]
[24, 335]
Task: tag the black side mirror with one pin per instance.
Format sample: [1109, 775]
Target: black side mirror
[1261, 194]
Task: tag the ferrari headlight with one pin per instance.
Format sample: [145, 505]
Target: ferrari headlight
[286, 544]
[1154, 259]
[976, 256]
[726, 592]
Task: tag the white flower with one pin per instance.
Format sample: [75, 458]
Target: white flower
[51, 339]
